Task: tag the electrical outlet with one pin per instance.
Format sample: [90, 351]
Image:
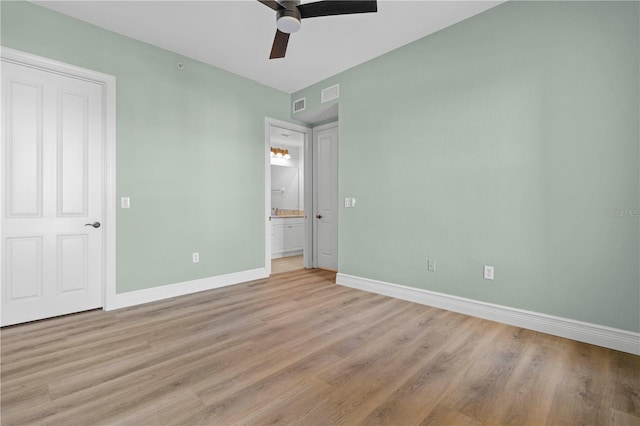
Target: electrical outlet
[125, 203]
[431, 265]
[488, 272]
[195, 257]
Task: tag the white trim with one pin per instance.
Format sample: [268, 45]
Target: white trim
[108, 83]
[268, 123]
[326, 96]
[110, 204]
[51, 65]
[613, 338]
[267, 195]
[309, 170]
[153, 294]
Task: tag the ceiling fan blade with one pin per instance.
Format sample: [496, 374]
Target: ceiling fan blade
[272, 4]
[332, 7]
[279, 45]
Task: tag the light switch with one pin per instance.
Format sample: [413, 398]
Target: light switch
[431, 265]
[124, 202]
[349, 202]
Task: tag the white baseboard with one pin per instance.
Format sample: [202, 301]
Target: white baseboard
[123, 300]
[621, 340]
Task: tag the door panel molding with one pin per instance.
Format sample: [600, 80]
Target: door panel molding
[27, 268]
[108, 87]
[72, 189]
[23, 197]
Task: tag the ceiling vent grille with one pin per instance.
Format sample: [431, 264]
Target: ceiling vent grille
[330, 93]
[299, 105]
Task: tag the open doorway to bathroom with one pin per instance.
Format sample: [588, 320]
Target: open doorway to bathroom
[288, 230]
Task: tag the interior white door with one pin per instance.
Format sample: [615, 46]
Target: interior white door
[52, 190]
[326, 192]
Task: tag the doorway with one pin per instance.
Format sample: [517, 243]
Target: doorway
[308, 238]
[287, 197]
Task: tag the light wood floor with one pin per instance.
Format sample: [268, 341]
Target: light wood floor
[286, 264]
[297, 348]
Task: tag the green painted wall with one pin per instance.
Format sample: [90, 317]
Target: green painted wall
[510, 139]
[189, 149]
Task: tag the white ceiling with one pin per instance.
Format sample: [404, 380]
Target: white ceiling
[237, 35]
[283, 137]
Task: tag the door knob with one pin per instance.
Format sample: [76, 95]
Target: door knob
[94, 224]
[318, 216]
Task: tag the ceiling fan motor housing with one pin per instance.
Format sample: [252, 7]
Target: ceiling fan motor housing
[288, 19]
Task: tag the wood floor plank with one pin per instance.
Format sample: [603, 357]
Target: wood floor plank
[382, 364]
[271, 361]
[582, 386]
[443, 415]
[443, 370]
[39, 333]
[62, 353]
[180, 407]
[286, 264]
[298, 349]
[485, 383]
[625, 381]
[292, 406]
[23, 390]
[250, 399]
[530, 381]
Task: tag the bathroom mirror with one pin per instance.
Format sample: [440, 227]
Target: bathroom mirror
[285, 188]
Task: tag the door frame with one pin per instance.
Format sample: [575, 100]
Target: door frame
[308, 197]
[108, 83]
[315, 189]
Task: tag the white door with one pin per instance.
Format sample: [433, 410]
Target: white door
[52, 183]
[326, 195]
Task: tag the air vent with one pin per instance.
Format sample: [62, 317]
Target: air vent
[330, 93]
[299, 105]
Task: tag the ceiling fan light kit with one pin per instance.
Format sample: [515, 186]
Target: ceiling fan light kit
[288, 19]
[288, 24]
[291, 12]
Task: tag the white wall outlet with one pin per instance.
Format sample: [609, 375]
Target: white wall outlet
[431, 265]
[349, 202]
[124, 202]
[488, 272]
[195, 257]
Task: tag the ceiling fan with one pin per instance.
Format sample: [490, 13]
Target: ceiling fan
[290, 12]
